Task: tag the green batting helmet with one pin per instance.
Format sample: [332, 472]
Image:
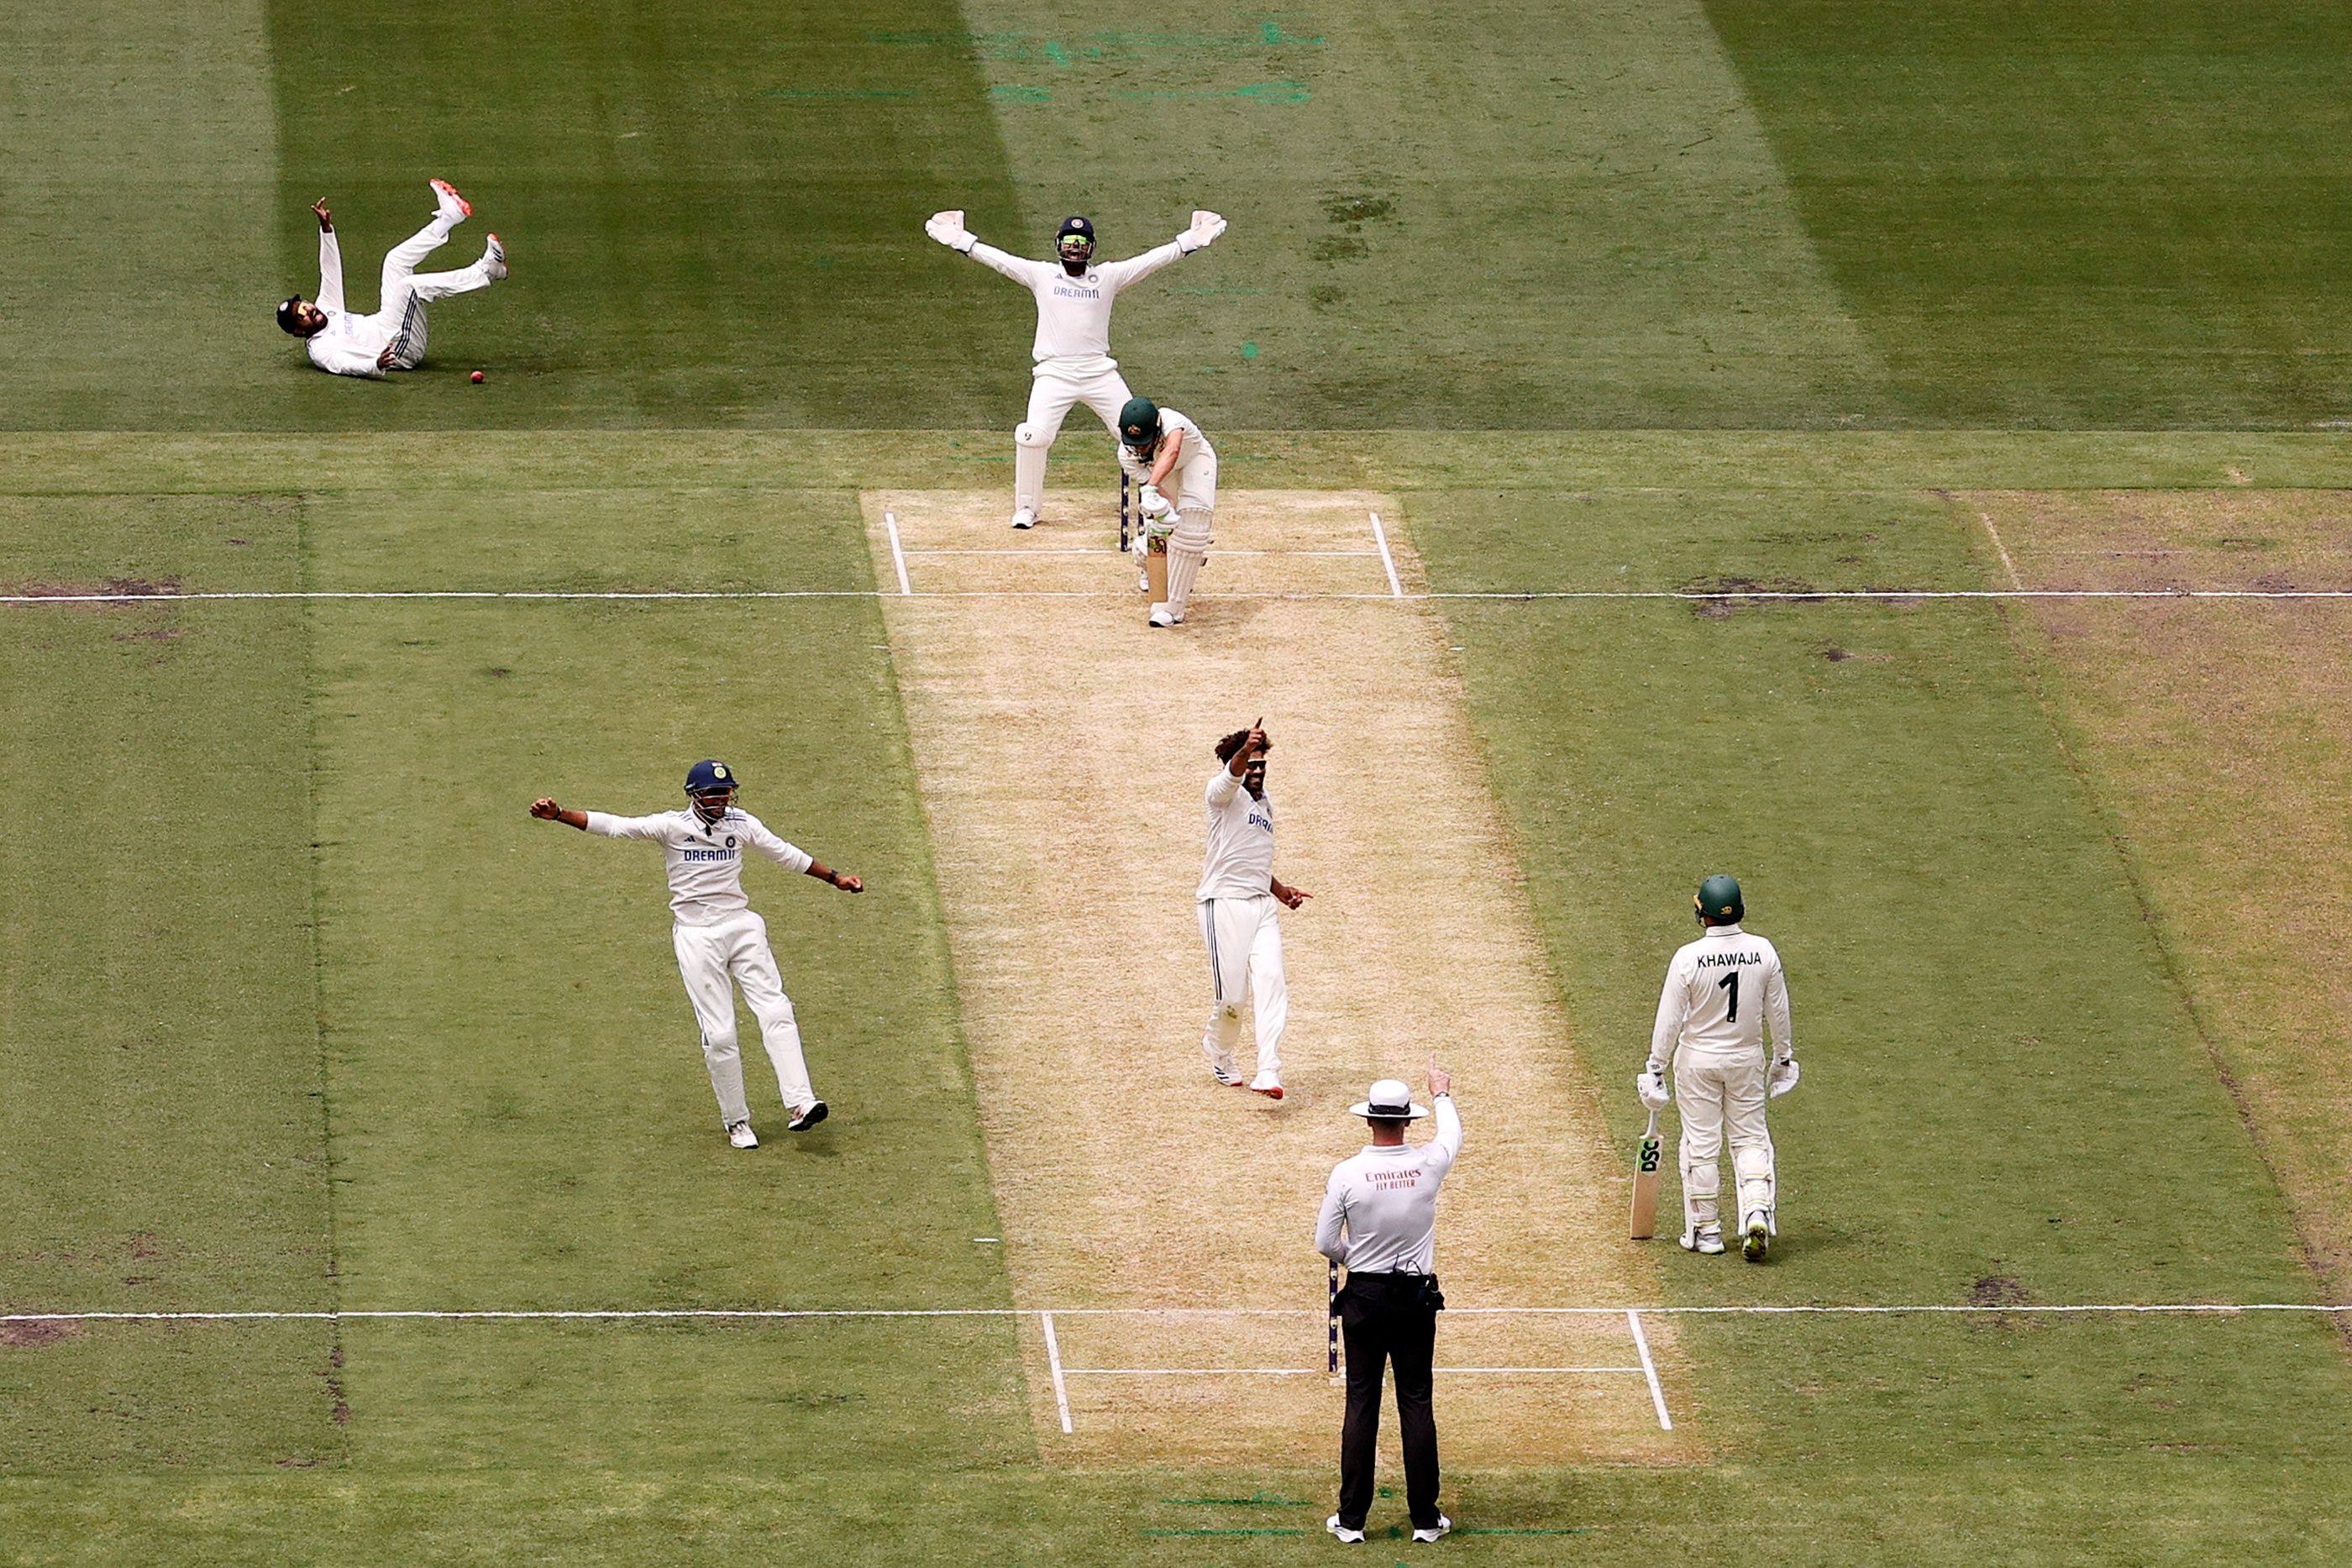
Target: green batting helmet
[1138, 423]
[1718, 901]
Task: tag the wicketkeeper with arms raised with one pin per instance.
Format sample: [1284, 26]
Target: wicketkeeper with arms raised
[1072, 348]
[721, 945]
[1721, 992]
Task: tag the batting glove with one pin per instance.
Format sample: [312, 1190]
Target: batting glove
[1650, 1083]
[1784, 1077]
[1155, 504]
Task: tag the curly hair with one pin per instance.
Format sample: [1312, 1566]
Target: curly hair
[1233, 742]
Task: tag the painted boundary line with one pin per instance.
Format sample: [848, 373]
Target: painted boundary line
[1755, 596]
[625, 1314]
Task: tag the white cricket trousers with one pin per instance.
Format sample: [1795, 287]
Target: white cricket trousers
[715, 961]
[1055, 387]
[1244, 938]
[406, 291]
[1719, 1092]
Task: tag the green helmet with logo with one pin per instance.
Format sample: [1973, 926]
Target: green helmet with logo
[1138, 423]
[1718, 901]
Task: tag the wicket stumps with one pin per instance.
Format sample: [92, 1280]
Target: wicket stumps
[1331, 1340]
[1125, 538]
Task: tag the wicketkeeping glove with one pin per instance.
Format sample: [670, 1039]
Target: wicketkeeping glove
[948, 228]
[1207, 227]
[1650, 1083]
[1783, 1078]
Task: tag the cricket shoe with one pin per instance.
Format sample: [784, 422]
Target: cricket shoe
[452, 206]
[1435, 1533]
[1341, 1530]
[739, 1135]
[1706, 1240]
[494, 260]
[1267, 1084]
[1024, 517]
[815, 1112]
[1160, 617]
[1756, 1236]
[1226, 1076]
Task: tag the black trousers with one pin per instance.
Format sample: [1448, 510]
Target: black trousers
[1389, 1319]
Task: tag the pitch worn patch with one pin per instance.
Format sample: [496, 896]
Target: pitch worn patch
[2221, 736]
[1062, 747]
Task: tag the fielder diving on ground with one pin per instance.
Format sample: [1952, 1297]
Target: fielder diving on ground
[1155, 446]
[1239, 918]
[1720, 992]
[1072, 348]
[347, 344]
[721, 945]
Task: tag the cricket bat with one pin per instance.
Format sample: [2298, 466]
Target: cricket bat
[1647, 1155]
[1155, 566]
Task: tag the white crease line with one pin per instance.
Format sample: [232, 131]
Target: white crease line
[1650, 1370]
[1388, 562]
[897, 556]
[1054, 1360]
[2188, 1309]
[1317, 1371]
[1759, 596]
[1099, 549]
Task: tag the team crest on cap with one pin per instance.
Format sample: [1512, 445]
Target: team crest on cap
[719, 771]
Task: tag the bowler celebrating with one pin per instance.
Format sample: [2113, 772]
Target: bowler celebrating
[721, 945]
[1238, 895]
[1072, 348]
[347, 344]
[1720, 992]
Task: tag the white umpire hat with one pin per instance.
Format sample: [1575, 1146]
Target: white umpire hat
[1389, 1101]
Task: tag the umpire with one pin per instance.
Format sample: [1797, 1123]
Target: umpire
[1380, 1219]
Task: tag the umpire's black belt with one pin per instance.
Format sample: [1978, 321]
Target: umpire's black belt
[1420, 1289]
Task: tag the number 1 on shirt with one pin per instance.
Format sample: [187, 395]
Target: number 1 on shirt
[1647, 1157]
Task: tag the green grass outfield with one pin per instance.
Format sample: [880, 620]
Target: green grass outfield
[298, 1011]
[512, 1116]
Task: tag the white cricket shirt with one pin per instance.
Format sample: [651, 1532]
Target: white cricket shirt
[1385, 1202]
[1195, 450]
[705, 859]
[1720, 990]
[1074, 313]
[347, 345]
[1240, 862]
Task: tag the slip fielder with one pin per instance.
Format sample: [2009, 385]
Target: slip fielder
[1238, 898]
[721, 945]
[1072, 348]
[1156, 445]
[345, 342]
[1720, 992]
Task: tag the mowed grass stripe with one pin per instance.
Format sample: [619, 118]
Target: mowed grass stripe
[160, 1128]
[524, 1113]
[141, 157]
[2121, 213]
[2218, 745]
[1584, 226]
[712, 220]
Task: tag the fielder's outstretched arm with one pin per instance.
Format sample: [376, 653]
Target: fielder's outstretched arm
[763, 839]
[1207, 227]
[331, 259]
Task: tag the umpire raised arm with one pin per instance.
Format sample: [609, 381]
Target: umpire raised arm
[1380, 1219]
